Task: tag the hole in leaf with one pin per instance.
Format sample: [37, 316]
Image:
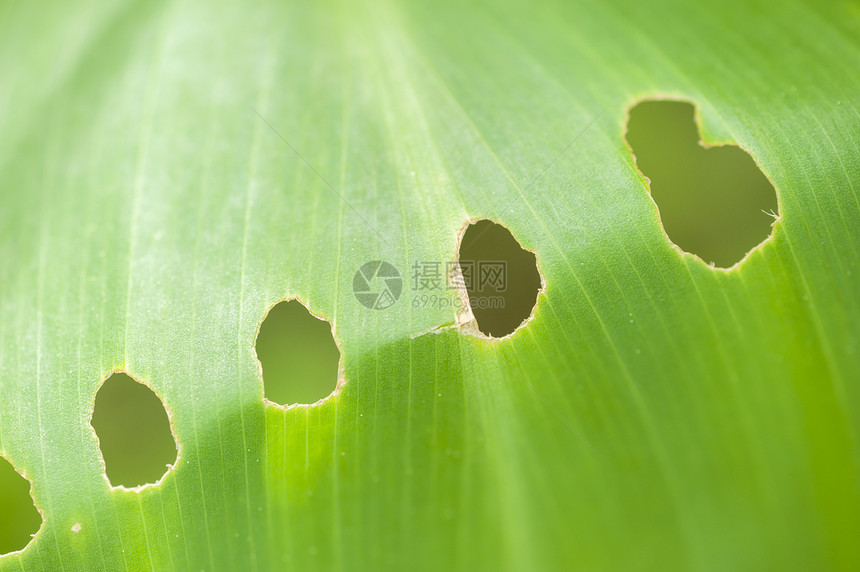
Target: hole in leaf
[501, 278]
[298, 355]
[712, 201]
[134, 432]
[19, 518]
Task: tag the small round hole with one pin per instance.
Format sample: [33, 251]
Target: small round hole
[19, 518]
[134, 432]
[501, 278]
[298, 355]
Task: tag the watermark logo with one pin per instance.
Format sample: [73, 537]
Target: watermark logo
[377, 285]
[460, 275]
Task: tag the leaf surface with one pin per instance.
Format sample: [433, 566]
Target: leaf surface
[169, 171]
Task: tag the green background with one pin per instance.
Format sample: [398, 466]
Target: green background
[656, 413]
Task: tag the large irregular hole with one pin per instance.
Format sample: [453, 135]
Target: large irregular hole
[298, 354]
[500, 277]
[19, 518]
[713, 202]
[134, 432]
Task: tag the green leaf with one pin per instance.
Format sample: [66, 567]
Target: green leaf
[169, 171]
